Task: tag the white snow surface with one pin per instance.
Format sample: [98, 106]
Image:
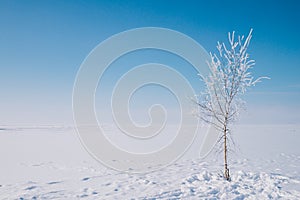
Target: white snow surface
[50, 163]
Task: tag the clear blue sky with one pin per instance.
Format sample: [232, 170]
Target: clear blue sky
[42, 44]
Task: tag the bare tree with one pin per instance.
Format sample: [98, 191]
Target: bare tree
[228, 79]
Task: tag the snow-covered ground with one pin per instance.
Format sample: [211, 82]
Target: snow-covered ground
[50, 163]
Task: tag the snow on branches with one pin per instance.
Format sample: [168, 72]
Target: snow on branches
[229, 78]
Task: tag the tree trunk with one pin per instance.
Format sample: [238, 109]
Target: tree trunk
[226, 171]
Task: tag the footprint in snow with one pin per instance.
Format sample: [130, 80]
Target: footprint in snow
[85, 179]
[31, 187]
[54, 182]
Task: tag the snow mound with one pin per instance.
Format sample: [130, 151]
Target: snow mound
[243, 185]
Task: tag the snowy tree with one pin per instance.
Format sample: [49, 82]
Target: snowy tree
[229, 78]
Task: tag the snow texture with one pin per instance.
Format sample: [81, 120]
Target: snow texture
[51, 164]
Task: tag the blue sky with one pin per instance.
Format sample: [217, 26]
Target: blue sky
[43, 43]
